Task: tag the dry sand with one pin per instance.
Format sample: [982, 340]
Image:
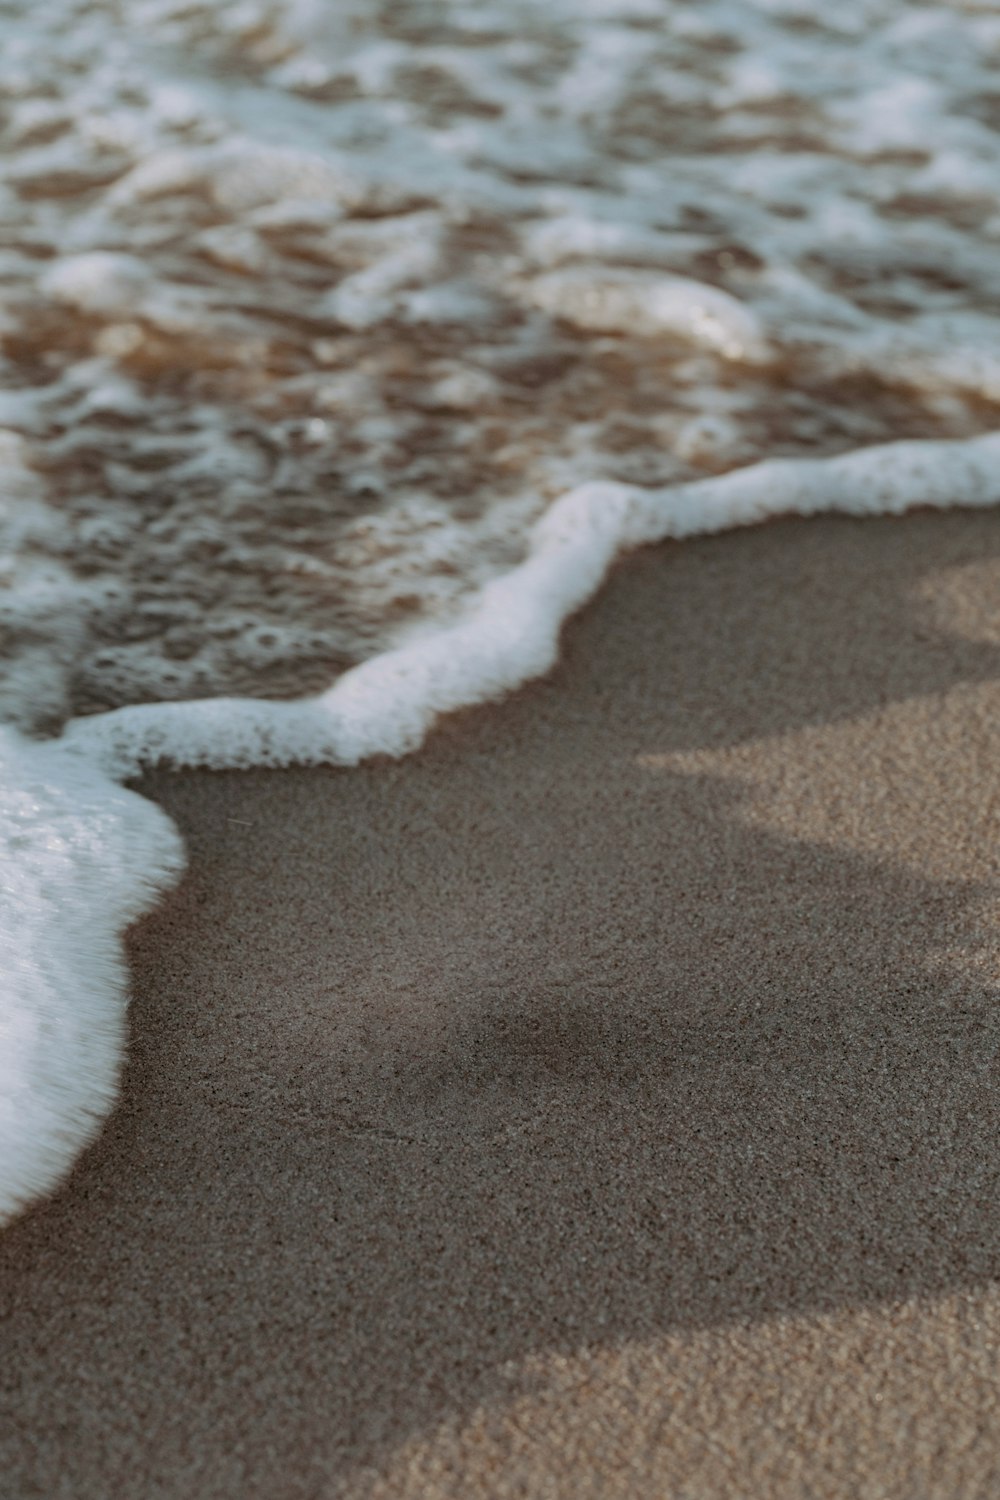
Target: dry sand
[603, 1102]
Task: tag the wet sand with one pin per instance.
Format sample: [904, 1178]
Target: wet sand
[605, 1101]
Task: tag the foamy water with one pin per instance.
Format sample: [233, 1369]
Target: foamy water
[369, 333]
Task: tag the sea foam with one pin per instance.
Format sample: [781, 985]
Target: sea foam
[82, 857]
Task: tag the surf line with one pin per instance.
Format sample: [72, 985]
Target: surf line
[509, 633]
[87, 856]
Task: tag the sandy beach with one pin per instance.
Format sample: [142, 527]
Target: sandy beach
[603, 1101]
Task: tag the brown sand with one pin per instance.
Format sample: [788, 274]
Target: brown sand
[604, 1102]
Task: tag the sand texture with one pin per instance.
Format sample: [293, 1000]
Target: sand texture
[603, 1102]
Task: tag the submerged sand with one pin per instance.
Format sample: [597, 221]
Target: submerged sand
[604, 1101]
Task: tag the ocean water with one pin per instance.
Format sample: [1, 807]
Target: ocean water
[344, 344]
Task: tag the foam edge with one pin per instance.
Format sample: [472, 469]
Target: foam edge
[509, 633]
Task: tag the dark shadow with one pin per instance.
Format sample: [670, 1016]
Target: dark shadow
[540, 1049]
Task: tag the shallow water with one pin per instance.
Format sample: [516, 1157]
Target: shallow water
[311, 309]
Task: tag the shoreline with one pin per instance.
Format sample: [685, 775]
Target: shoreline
[599, 1090]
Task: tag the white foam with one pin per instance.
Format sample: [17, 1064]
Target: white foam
[238, 176]
[510, 632]
[98, 281]
[644, 303]
[81, 858]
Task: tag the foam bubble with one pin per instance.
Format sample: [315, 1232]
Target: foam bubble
[98, 281]
[644, 304]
